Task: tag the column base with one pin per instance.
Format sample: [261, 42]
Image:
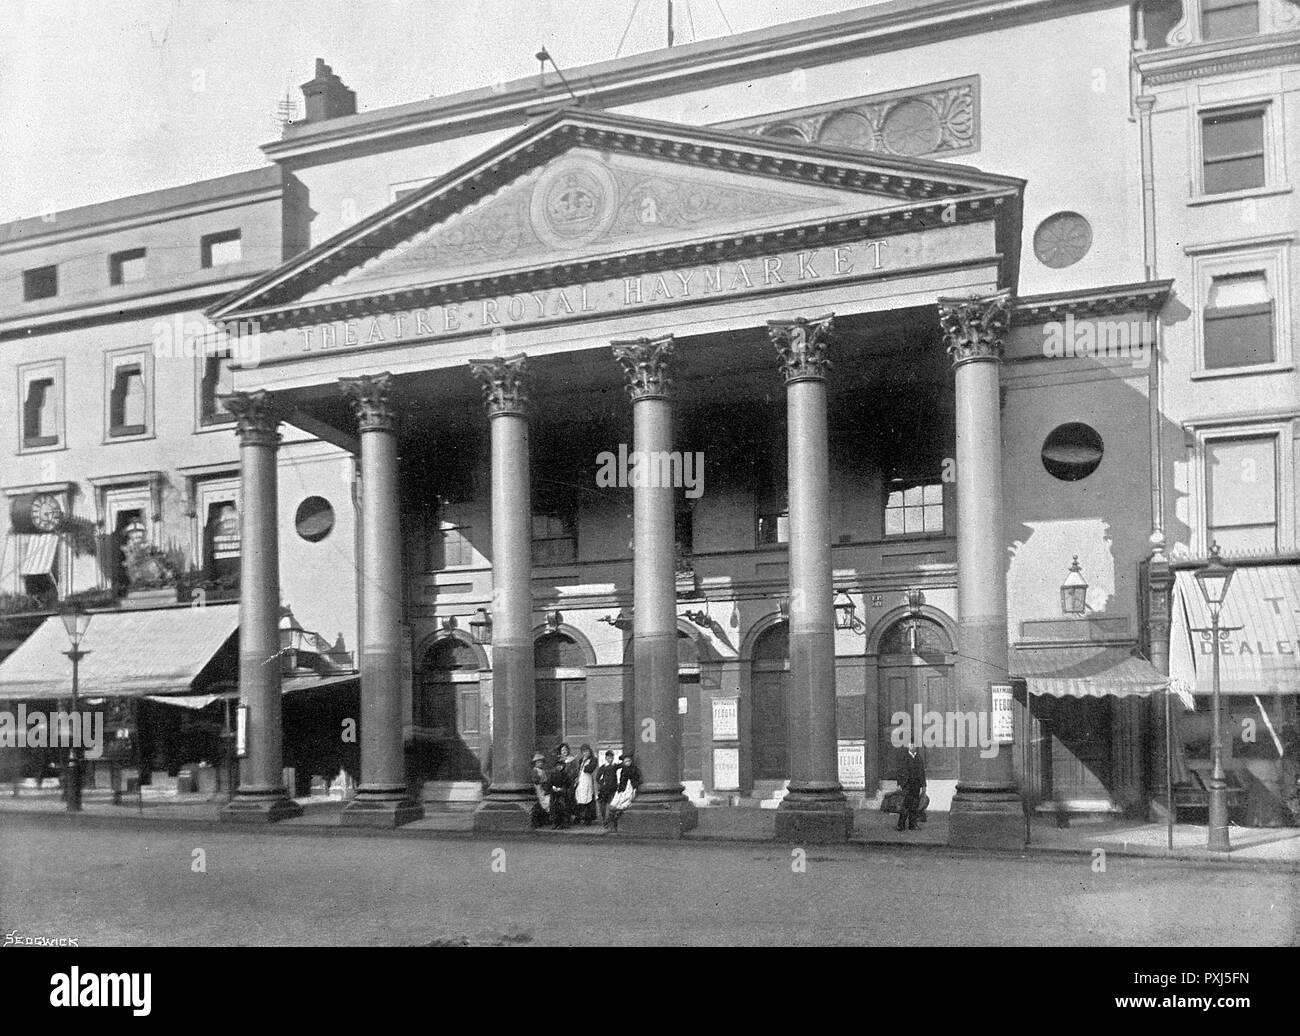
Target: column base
[259, 809]
[504, 815]
[987, 820]
[380, 811]
[670, 819]
[814, 820]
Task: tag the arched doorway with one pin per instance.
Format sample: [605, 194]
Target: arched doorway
[561, 703]
[915, 668]
[769, 686]
[449, 742]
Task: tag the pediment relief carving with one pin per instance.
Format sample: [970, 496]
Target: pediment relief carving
[597, 204]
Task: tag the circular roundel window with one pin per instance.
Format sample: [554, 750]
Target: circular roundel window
[1072, 452]
[1062, 240]
[314, 519]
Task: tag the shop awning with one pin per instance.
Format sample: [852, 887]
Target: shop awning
[1085, 671]
[38, 555]
[287, 686]
[129, 653]
[1260, 658]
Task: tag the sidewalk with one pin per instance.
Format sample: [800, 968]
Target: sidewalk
[1273, 848]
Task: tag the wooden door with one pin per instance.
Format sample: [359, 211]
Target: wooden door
[549, 715]
[770, 733]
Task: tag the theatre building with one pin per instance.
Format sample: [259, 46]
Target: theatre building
[765, 401]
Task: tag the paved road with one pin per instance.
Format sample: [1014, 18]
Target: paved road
[124, 886]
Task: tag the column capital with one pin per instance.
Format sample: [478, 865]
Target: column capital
[504, 380]
[974, 327]
[802, 345]
[257, 418]
[645, 366]
[371, 396]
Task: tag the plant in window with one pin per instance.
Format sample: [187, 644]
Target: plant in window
[151, 567]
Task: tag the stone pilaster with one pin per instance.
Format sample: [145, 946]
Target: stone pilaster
[815, 808]
[261, 795]
[382, 798]
[987, 809]
[660, 808]
[509, 800]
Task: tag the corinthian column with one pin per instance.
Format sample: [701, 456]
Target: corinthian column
[814, 808]
[509, 800]
[382, 799]
[986, 810]
[660, 809]
[262, 795]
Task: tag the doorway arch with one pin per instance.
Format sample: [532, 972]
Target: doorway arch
[914, 660]
[769, 688]
[449, 739]
[560, 705]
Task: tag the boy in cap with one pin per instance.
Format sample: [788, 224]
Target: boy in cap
[606, 784]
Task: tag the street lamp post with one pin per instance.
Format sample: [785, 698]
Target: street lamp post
[1213, 579]
[75, 621]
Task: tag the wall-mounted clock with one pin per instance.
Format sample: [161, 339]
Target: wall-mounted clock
[35, 513]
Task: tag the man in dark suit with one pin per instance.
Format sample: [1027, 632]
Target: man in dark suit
[606, 784]
[911, 781]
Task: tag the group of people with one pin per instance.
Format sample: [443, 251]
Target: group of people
[575, 789]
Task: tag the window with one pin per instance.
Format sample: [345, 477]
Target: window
[1232, 151]
[773, 496]
[39, 428]
[1238, 321]
[314, 519]
[1229, 19]
[220, 249]
[40, 283]
[126, 402]
[448, 541]
[913, 506]
[221, 542]
[1072, 452]
[125, 267]
[128, 529]
[40, 401]
[1241, 496]
[555, 539]
[214, 383]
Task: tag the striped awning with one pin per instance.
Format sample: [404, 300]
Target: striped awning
[39, 553]
[1262, 657]
[129, 653]
[1085, 671]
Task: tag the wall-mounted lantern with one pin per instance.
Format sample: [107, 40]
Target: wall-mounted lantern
[480, 627]
[553, 620]
[1074, 591]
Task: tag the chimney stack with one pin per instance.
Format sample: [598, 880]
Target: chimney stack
[326, 97]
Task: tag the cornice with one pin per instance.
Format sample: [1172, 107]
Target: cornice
[1143, 297]
[824, 233]
[1178, 64]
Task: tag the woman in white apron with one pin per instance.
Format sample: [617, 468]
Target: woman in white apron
[585, 793]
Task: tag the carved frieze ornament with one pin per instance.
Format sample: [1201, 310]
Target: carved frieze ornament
[371, 396]
[257, 418]
[974, 328]
[803, 345]
[504, 380]
[645, 366]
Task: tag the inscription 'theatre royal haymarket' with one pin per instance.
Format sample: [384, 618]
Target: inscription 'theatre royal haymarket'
[690, 284]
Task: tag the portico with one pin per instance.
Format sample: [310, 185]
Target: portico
[668, 289]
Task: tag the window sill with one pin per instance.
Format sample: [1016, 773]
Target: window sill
[128, 434]
[40, 444]
[1267, 191]
[1241, 372]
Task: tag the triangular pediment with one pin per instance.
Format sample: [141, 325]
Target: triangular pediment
[588, 190]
